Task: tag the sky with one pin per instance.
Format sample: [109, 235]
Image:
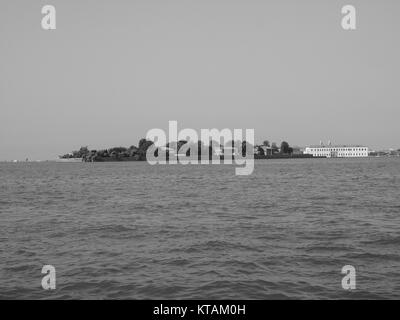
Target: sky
[112, 70]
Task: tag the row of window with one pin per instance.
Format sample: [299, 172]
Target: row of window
[337, 149]
[341, 154]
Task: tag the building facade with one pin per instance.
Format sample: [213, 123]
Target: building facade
[337, 151]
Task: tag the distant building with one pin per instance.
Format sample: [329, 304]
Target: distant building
[339, 151]
[296, 150]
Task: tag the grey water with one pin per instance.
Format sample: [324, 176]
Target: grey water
[134, 231]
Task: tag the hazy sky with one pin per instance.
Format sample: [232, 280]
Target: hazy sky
[112, 70]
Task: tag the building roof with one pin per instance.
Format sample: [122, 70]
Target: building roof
[338, 146]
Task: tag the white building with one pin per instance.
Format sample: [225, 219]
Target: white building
[340, 151]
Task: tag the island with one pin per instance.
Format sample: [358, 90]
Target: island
[138, 153]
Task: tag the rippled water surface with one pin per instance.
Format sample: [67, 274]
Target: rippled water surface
[131, 230]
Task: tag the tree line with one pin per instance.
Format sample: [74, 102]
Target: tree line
[138, 153]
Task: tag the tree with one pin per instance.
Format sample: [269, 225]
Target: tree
[132, 151]
[143, 146]
[266, 143]
[244, 148]
[118, 149]
[141, 142]
[83, 150]
[247, 148]
[274, 148]
[284, 147]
